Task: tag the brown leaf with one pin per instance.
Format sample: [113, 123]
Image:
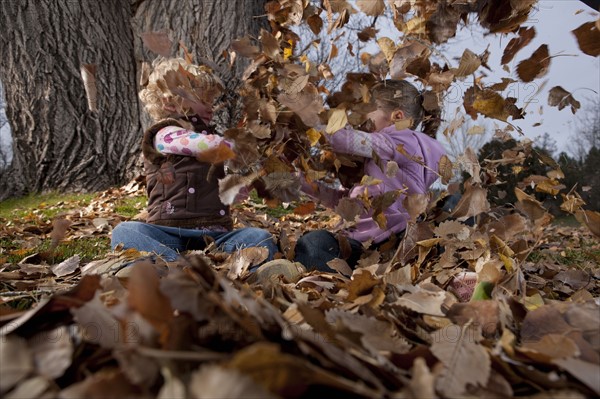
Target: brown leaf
[485, 314]
[585, 372]
[361, 284]
[371, 7]
[239, 261]
[588, 38]
[473, 202]
[469, 62]
[216, 155]
[561, 98]
[441, 25]
[525, 35]
[307, 105]
[146, 298]
[16, 361]
[66, 267]
[158, 42]
[424, 301]
[405, 55]
[213, 381]
[366, 34]
[445, 169]
[591, 219]
[52, 352]
[166, 173]
[60, 226]
[349, 208]
[88, 75]
[415, 205]
[315, 23]
[550, 347]
[535, 66]
[245, 48]
[465, 361]
[306, 208]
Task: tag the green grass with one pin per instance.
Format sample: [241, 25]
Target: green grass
[45, 206]
[276, 212]
[130, 206]
[88, 249]
[570, 257]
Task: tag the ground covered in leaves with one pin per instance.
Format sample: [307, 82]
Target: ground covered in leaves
[75, 323]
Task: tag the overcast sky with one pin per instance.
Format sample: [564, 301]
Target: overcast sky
[575, 71]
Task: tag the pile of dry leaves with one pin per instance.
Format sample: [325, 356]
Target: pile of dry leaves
[132, 326]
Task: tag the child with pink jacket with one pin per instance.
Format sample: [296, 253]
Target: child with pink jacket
[416, 154]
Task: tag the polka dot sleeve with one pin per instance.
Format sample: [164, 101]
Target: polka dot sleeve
[179, 141]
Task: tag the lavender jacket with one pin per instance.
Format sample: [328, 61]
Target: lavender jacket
[414, 176]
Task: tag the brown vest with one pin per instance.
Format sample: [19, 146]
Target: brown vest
[192, 200]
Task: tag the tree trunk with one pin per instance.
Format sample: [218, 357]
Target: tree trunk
[207, 28]
[58, 143]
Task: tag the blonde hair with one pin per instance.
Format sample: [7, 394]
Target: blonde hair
[173, 80]
[394, 94]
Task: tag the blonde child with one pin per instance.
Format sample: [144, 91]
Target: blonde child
[184, 207]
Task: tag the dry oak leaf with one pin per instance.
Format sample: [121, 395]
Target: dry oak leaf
[472, 203]
[361, 284]
[482, 313]
[525, 35]
[465, 361]
[212, 381]
[591, 219]
[535, 66]
[469, 62]
[158, 42]
[559, 97]
[371, 7]
[307, 104]
[588, 38]
[424, 301]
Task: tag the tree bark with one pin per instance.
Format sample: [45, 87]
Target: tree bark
[57, 142]
[207, 28]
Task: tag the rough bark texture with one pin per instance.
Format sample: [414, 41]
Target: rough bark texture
[58, 143]
[206, 27]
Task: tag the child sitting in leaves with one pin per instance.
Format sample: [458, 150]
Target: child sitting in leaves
[416, 154]
[183, 161]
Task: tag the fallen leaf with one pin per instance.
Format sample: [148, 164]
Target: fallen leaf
[66, 267]
[465, 361]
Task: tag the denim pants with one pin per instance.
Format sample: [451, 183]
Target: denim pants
[315, 248]
[168, 242]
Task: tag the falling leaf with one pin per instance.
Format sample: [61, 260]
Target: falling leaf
[535, 66]
[469, 63]
[158, 42]
[472, 203]
[525, 35]
[88, 75]
[371, 7]
[305, 209]
[241, 260]
[588, 38]
[307, 104]
[218, 154]
[60, 227]
[445, 169]
[591, 219]
[561, 98]
[315, 23]
[313, 135]
[337, 120]
[349, 208]
[244, 47]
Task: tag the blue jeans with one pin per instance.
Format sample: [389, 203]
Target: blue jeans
[168, 242]
[315, 248]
